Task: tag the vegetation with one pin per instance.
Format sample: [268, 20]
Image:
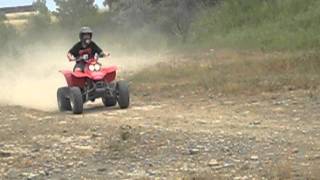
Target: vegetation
[249, 24]
[256, 24]
[131, 25]
[232, 72]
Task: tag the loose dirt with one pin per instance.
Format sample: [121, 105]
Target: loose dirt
[270, 136]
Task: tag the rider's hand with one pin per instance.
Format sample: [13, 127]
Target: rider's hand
[71, 57]
[85, 57]
[103, 54]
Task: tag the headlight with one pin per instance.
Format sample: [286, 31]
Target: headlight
[91, 67]
[97, 67]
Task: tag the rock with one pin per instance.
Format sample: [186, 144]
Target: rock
[70, 164]
[30, 176]
[217, 167]
[62, 122]
[56, 170]
[256, 123]
[184, 167]
[152, 172]
[45, 118]
[5, 154]
[88, 148]
[81, 163]
[95, 135]
[194, 151]
[146, 94]
[241, 178]
[102, 169]
[295, 150]
[120, 172]
[226, 165]
[296, 119]
[201, 121]
[44, 173]
[316, 157]
[125, 135]
[245, 167]
[125, 132]
[254, 158]
[228, 103]
[213, 162]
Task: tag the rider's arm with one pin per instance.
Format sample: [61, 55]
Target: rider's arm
[98, 50]
[73, 52]
[71, 57]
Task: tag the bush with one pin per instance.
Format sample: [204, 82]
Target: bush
[7, 38]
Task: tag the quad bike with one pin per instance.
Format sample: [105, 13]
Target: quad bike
[93, 83]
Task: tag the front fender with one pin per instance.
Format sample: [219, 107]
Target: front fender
[74, 79]
[110, 73]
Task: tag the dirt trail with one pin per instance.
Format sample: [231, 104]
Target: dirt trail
[271, 136]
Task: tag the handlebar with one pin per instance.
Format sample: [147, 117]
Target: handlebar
[86, 57]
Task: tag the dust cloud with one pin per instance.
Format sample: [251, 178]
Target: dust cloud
[33, 80]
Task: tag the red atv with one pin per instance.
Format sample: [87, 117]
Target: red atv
[93, 83]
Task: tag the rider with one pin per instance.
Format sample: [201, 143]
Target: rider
[85, 49]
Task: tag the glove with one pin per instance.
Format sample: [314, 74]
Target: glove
[83, 58]
[102, 55]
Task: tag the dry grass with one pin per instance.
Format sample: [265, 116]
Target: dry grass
[17, 22]
[280, 171]
[233, 72]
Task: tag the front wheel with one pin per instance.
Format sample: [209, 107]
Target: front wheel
[63, 101]
[76, 100]
[123, 95]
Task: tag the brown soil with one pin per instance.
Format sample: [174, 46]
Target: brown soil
[266, 136]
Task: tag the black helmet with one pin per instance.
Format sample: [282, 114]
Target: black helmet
[85, 30]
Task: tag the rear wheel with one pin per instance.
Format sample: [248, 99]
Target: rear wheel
[63, 101]
[123, 95]
[76, 100]
[109, 101]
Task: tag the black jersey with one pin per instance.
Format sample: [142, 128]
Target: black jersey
[78, 50]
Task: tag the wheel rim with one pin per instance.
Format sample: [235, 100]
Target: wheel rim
[72, 104]
[59, 104]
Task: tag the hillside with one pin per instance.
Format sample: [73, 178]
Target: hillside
[256, 24]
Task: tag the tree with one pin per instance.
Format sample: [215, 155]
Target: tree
[40, 22]
[2, 17]
[172, 17]
[71, 13]
[7, 34]
[40, 6]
